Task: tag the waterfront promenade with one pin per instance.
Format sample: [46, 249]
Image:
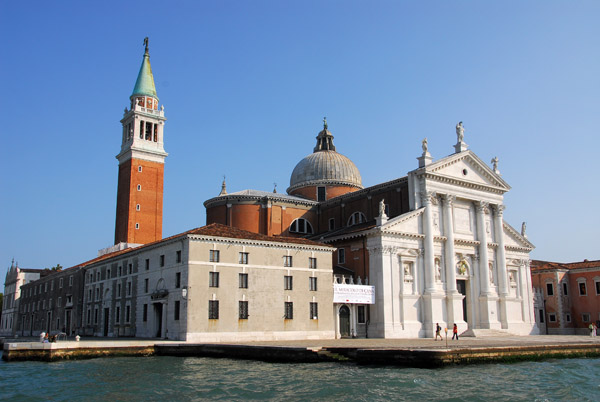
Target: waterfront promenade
[405, 352]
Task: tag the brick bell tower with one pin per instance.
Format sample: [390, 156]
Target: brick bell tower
[141, 163]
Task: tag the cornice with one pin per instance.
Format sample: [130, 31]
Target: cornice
[258, 243]
[223, 199]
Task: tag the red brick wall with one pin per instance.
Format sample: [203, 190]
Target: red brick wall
[150, 199]
[330, 191]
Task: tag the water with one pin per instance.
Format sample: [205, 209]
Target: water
[195, 379]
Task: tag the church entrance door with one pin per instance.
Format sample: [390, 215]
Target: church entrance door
[461, 285]
[344, 322]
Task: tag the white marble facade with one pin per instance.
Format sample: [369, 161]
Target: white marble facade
[452, 258]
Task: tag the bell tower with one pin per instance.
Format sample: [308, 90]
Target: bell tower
[141, 163]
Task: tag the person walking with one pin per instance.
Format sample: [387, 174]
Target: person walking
[437, 331]
[455, 332]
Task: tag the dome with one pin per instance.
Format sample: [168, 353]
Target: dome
[325, 166]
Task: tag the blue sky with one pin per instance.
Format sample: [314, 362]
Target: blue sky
[245, 86]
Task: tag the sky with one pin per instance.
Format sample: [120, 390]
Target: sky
[245, 86]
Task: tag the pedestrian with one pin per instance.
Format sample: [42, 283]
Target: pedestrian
[455, 332]
[42, 336]
[591, 327]
[437, 331]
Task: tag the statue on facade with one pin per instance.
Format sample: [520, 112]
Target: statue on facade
[324, 123]
[146, 43]
[460, 131]
[495, 163]
[382, 207]
[424, 145]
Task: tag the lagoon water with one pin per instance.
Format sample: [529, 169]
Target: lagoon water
[189, 379]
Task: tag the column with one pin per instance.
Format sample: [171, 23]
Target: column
[501, 263]
[480, 208]
[447, 201]
[426, 198]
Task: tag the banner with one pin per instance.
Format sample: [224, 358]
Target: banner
[354, 294]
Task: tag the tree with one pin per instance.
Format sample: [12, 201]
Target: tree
[56, 268]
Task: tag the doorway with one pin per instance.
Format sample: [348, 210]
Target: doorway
[344, 322]
[461, 285]
[158, 315]
[49, 322]
[106, 320]
[68, 322]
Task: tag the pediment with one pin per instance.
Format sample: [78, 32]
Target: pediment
[405, 223]
[513, 239]
[467, 168]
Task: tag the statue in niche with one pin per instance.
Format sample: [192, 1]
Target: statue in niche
[438, 270]
[462, 267]
[460, 132]
[424, 145]
[492, 273]
[407, 272]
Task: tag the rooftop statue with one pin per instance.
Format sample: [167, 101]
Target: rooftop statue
[460, 131]
[495, 163]
[424, 145]
[382, 207]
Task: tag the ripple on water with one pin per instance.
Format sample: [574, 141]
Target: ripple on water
[194, 379]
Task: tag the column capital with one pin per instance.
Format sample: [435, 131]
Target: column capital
[429, 197]
[498, 209]
[481, 206]
[448, 199]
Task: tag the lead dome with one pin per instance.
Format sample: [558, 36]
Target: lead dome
[324, 168]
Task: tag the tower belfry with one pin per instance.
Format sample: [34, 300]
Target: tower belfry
[141, 163]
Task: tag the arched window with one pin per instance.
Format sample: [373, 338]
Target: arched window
[301, 225]
[356, 218]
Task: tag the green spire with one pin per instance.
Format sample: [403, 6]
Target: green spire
[145, 80]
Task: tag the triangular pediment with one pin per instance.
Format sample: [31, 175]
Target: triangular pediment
[405, 223]
[513, 239]
[467, 168]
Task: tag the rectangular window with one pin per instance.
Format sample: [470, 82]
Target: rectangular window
[71, 280]
[95, 316]
[287, 282]
[287, 261]
[568, 317]
[69, 300]
[118, 290]
[60, 283]
[361, 315]
[145, 313]
[120, 271]
[89, 316]
[243, 310]
[597, 287]
[552, 317]
[341, 256]
[128, 288]
[178, 280]
[127, 313]
[565, 289]
[146, 285]
[129, 269]
[214, 255]
[118, 315]
[162, 260]
[312, 263]
[147, 264]
[213, 309]
[289, 311]
[321, 193]
[89, 295]
[243, 281]
[177, 304]
[52, 285]
[582, 289]
[213, 279]
[178, 256]
[314, 311]
[549, 289]
[331, 224]
[243, 258]
[313, 284]
[585, 317]
[59, 302]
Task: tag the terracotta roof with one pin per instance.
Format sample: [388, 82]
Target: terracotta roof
[537, 265]
[216, 230]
